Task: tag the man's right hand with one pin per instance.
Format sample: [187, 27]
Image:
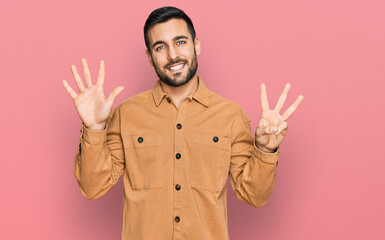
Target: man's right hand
[92, 105]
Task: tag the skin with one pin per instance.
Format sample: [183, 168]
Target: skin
[91, 104]
[272, 127]
[170, 43]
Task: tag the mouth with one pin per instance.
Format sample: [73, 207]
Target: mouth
[176, 68]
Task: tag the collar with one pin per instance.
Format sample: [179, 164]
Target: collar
[201, 95]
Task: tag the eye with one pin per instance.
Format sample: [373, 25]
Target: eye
[181, 42]
[160, 47]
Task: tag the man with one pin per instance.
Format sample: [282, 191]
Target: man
[176, 143]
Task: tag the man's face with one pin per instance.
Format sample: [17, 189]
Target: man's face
[173, 52]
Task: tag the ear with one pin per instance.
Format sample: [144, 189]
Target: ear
[197, 44]
[149, 57]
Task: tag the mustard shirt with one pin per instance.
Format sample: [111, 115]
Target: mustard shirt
[175, 164]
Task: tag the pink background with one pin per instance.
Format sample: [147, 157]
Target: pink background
[330, 181]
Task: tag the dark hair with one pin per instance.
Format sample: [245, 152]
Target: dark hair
[164, 14]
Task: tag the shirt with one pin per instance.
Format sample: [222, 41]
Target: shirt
[175, 163]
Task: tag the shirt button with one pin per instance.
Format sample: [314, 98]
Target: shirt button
[168, 99]
[178, 155]
[140, 139]
[215, 139]
[177, 187]
[179, 126]
[177, 219]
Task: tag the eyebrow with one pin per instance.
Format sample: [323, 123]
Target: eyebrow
[175, 38]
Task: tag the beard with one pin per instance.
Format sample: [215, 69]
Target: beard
[192, 69]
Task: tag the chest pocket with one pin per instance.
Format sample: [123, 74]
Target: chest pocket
[143, 160]
[210, 162]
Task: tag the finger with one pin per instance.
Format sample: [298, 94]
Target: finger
[114, 94]
[266, 130]
[78, 80]
[282, 98]
[292, 108]
[263, 123]
[87, 74]
[282, 127]
[102, 73]
[260, 131]
[270, 129]
[69, 89]
[280, 137]
[264, 102]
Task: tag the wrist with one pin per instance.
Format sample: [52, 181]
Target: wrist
[264, 149]
[96, 127]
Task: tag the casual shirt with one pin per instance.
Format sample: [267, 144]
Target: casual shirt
[175, 163]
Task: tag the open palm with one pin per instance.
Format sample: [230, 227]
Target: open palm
[91, 104]
[272, 127]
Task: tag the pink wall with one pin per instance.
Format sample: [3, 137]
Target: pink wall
[330, 181]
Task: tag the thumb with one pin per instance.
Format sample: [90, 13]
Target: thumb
[114, 94]
[265, 130]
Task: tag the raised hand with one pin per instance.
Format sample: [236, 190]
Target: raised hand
[272, 127]
[91, 104]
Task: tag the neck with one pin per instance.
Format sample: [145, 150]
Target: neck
[180, 93]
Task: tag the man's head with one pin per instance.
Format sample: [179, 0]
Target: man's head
[172, 46]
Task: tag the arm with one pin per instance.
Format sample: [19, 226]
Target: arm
[252, 171]
[99, 162]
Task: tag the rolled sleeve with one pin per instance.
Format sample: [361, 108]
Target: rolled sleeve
[100, 161]
[252, 171]
[266, 157]
[94, 136]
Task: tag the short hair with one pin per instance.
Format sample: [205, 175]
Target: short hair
[164, 14]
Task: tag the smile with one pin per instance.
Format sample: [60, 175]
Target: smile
[177, 67]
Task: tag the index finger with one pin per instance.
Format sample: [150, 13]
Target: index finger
[292, 108]
[264, 102]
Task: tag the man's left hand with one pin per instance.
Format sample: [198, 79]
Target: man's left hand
[272, 127]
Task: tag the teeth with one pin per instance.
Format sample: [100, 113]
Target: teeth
[177, 67]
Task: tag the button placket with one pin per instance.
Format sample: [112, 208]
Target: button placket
[178, 165]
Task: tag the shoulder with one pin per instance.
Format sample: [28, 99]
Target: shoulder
[230, 106]
[136, 100]
[131, 103]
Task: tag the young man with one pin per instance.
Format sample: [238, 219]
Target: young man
[176, 143]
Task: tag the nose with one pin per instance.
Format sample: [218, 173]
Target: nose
[172, 53]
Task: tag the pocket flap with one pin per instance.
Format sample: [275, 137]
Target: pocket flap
[141, 141]
[213, 140]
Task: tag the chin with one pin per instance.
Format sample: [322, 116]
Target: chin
[175, 83]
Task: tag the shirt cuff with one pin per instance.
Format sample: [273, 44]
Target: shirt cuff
[265, 157]
[94, 136]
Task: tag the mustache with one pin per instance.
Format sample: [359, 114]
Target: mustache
[175, 62]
